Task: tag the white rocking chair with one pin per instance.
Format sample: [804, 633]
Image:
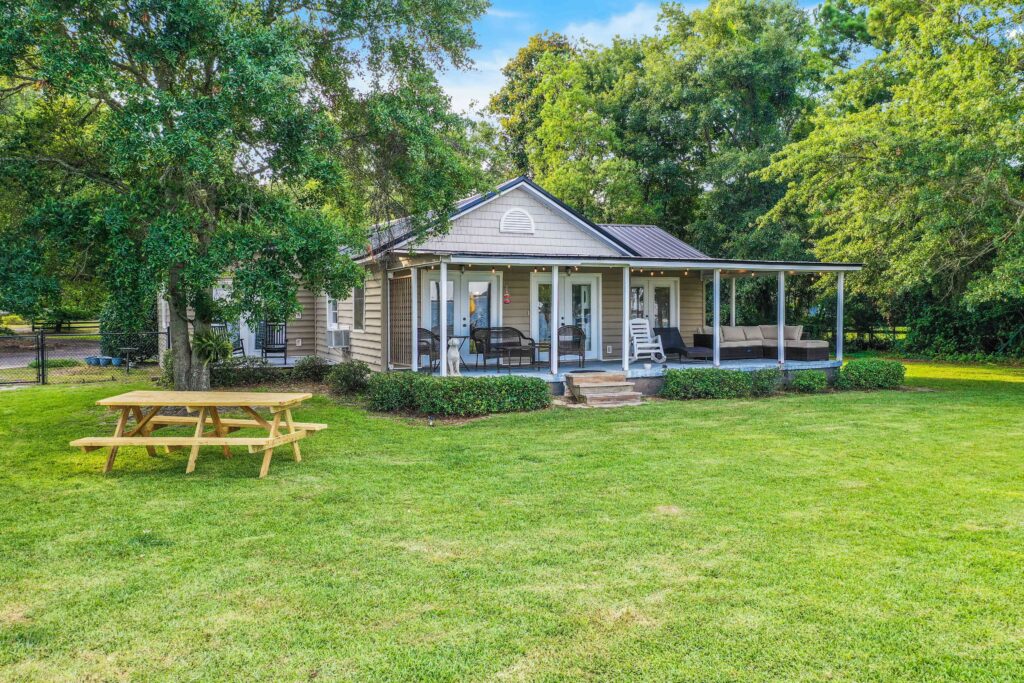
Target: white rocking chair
[644, 345]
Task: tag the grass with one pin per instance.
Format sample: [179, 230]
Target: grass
[840, 537]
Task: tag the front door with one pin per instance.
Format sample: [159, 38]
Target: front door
[578, 304]
[656, 299]
[473, 301]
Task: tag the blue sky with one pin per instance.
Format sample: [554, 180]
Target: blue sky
[509, 23]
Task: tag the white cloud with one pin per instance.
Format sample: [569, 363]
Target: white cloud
[504, 13]
[641, 20]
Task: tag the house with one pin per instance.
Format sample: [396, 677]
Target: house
[519, 258]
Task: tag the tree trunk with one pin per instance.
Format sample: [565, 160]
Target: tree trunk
[190, 373]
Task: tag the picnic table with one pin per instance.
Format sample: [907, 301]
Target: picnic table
[210, 429]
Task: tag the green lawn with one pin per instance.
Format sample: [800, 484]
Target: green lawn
[845, 537]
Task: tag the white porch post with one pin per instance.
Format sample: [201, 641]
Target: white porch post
[781, 338]
[716, 319]
[555, 317]
[625, 319]
[414, 292]
[732, 301]
[839, 317]
[443, 298]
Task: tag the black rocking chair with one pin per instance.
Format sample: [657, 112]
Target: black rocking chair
[428, 344]
[275, 341]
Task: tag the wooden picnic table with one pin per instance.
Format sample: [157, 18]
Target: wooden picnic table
[210, 428]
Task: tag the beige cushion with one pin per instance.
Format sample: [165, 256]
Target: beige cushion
[732, 334]
[752, 333]
[704, 330]
[770, 331]
[793, 332]
[807, 344]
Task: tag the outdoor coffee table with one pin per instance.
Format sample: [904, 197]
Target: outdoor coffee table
[210, 428]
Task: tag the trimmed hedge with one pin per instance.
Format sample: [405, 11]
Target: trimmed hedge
[352, 375]
[240, 372]
[456, 396]
[809, 381]
[710, 383]
[765, 382]
[871, 373]
[310, 369]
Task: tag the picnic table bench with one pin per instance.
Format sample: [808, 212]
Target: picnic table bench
[210, 428]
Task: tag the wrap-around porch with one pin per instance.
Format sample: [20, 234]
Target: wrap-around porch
[592, 301]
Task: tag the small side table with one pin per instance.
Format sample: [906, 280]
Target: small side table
[127, 353]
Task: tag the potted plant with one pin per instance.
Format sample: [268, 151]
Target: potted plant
[105, 360]
[116, 360]
[92, 360]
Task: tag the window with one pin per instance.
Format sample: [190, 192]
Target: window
[332, 313]
[358, 307]
[518, 221]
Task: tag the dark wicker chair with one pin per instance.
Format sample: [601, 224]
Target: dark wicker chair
[572, 341]
[429, 344]
[671, 341]
[275, 341]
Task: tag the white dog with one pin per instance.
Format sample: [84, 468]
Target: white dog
[454, 359]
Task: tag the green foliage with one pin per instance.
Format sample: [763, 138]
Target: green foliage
[58, 363]
[390, 392]
[310, 369]
[211, 346]
[871, 373]
[456, 396]
[809, 381]
[129, 321]
[196, 138]
[709, 383]
[241, 372]
[765, 382]
[166, 379]
[4, 330]
[12, 320]
[348, 377]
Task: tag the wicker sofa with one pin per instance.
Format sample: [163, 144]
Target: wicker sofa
[761, 341]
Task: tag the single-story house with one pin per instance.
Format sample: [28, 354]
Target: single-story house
[518, 258]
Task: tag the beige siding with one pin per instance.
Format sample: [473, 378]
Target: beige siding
[555, 233]
[367, 344]
[691, 306]
[302, 328]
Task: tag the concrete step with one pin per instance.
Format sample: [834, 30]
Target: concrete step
[596, 389]
[581, 378]
[629, 398]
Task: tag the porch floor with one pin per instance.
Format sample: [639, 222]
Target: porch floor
[637, 369]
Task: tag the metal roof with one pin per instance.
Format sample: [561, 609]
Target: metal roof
[650, 241]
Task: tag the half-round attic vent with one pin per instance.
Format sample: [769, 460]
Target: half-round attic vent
[518, 221]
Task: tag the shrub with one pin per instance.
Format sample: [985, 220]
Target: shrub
[765, 382]
[4, 330]
[211, 346]
[392, 391]
[129, 324]
[350, 376]
[457, 396]
[871, 373]
[12, 320]
[809, 381]
[235, 372]
[311, 369]
[57, 363]
[710, 383]
[167, 369]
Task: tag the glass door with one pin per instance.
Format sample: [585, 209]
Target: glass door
[578, 297]
[656, 299]
[472, 301]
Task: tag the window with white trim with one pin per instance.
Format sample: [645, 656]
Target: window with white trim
[332, 313]
[517, 221]
[358, 308]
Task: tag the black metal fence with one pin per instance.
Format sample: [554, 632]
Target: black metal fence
[72, 358]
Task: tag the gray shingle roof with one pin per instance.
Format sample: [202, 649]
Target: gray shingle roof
[650, 241]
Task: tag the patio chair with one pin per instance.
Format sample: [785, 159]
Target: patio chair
[644, 344]
[480, 340]
[507, 344]
[429, 344]
[275, 341]
[572, 341]
[671, 341]
[231, 331]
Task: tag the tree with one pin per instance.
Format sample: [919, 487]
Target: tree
[913, 166]
[517, 104]
[256, 138]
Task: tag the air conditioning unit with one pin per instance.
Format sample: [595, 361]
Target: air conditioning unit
[338, 339]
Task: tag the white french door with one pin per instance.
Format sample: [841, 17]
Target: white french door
[579, 297]
[473, 300]
[656, 299]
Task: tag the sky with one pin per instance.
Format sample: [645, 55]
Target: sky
[509, 23]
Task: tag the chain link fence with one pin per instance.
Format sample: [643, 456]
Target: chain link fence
[72, 358]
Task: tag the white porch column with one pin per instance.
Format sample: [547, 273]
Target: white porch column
[839, 317]
[555, 321]
[443, 298]
[732, 302]
[414, 288]
[781, 338]
[716, 319]
[625, 319]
